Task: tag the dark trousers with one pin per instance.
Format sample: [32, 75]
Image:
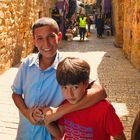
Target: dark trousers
[82, 32]
[100, 31]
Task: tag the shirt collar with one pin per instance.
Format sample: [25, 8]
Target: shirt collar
[57, 60]
[35, 60]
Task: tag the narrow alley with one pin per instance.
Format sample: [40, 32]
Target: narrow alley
[108, 64]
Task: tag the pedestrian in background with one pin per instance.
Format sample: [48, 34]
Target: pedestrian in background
[89, 23]
[56, 15]
[82, 26]
[99, 25]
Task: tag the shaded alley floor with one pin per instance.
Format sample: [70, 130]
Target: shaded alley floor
[108, 64]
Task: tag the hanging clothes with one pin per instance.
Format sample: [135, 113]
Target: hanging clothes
[72, 7]
[66, 6]
[107, 6]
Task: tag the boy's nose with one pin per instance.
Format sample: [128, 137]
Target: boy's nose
[70, 92]
[45, 41]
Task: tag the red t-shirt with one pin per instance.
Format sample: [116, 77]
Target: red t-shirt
[97, 122]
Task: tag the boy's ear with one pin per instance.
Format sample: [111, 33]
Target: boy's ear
[87, 83]
[59, 36]
[33, 41]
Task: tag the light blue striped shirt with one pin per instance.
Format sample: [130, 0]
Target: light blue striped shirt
[38, 87]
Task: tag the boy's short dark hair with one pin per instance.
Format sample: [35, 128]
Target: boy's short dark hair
[46, 21]
[72, 71]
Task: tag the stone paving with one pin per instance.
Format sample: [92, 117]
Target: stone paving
[108, 64]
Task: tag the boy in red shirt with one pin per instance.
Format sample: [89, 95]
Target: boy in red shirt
[98, 122]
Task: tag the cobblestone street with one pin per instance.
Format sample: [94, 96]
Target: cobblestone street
[108, 64]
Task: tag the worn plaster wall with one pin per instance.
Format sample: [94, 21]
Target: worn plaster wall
[127, 28]
[16, 19]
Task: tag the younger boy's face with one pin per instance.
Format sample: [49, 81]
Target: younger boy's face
[74, 93]
[46, 40]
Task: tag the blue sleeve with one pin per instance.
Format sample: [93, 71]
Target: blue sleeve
[17, 85]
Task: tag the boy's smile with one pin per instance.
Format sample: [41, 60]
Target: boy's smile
[46, 40]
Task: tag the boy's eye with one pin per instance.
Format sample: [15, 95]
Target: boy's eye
[51, 35]
[75, 87]
[39, 39]
[64, 87]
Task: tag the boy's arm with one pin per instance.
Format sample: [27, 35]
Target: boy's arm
[54, 130]
[95, 93]
[120, 137]
[27, 112]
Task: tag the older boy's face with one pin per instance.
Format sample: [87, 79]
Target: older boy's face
[74, 93]
[46, 40]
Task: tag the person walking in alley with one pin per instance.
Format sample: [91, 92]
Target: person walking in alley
[99, 25]
[82, 26]
[89, 23]
[35, 86]
[97, 122]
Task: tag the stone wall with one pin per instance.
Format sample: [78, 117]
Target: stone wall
[127, 31]
[135, 47]
[118, 19]
[16, 19]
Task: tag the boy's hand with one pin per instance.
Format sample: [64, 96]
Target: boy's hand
[47, 113]
[29, 115]
[38, 115]
[50, 114]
